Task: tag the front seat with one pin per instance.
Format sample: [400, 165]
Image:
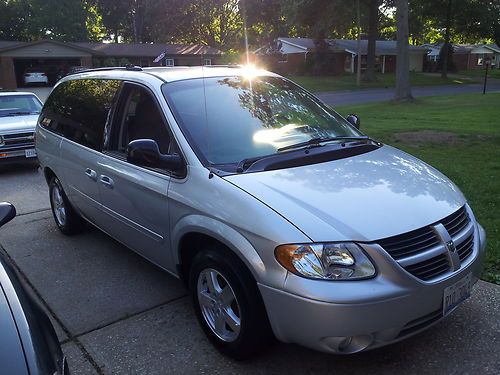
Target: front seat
[148, 124]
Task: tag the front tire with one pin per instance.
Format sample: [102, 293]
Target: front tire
[67, 219]
[228, 304]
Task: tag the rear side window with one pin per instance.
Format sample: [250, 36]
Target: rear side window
[79, 110]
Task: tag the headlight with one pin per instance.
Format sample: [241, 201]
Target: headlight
[331, 261]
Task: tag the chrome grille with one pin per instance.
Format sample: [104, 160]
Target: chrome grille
[456, 222]
[410, 243]
[17, 141]
[465, 248]
[422, 252]
[430, 268]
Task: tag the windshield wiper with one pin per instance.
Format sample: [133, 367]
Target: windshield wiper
[315, 142]
[244, 164]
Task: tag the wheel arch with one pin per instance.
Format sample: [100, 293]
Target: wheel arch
[195, 232]
[49, 174]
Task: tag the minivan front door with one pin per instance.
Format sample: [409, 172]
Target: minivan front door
[135, 198]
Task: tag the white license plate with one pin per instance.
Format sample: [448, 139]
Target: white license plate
[456, 293]
[31, 153]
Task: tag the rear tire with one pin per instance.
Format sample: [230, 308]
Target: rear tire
[67, 219]
[233, 317]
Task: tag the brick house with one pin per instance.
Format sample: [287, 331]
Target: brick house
[468, 56]
[288, 54]
[53, 57]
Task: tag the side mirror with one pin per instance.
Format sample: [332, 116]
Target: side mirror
[7, 213]
[146, 152]
[354, 120]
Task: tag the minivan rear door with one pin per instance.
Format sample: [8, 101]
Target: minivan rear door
[79, 110]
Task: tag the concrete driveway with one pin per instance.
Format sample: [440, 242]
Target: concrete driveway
[117, 314]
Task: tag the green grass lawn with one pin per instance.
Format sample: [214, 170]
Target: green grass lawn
[473, 162]
[348, 81]
[479, 73]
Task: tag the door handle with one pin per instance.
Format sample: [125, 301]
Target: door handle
[106, 181]
[91, 174]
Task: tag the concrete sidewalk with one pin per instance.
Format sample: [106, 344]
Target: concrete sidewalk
[115, 313]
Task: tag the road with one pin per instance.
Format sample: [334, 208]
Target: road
[352, 97]
[115, 313]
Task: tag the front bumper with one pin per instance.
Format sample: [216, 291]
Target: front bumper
[16, 146]
[348, 317]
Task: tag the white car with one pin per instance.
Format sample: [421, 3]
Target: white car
[34, 76]
[18, 115]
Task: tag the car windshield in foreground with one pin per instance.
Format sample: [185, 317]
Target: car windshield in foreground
[19, 105]
[230, 119]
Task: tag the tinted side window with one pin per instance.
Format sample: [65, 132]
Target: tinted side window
[79, 110]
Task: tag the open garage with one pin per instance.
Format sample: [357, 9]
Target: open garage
[54, 68]
[49, 57]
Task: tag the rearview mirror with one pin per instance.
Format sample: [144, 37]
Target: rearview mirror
[354, 120]
[7, 213]
[145, 152]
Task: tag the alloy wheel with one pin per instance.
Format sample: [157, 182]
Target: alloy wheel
[58, 205]
[219, 305]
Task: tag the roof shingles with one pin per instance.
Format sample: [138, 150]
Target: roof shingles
[128, 49]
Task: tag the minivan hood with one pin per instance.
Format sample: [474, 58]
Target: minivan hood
[366, 197]
[15, 124]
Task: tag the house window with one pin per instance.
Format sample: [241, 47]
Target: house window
[169, 62]
[480, 59]
[207, 62]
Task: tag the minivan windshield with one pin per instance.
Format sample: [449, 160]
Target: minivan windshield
[229, 119]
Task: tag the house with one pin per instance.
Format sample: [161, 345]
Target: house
[468, 56]
[292, 52]
[293, 55]
[53, 57]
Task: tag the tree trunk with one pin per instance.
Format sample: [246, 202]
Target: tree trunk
[372, 40]
[446, 46]
[403, 89]
[358, 70]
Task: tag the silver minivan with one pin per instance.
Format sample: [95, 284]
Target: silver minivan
[283, 219]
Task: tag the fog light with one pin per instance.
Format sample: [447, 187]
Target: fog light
[348, 344]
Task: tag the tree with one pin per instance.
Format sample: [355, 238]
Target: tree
[447, 45]
[71, 19]
[320, 18]
[12, 19]
[403, 89]
[114, 16]
[265, 20]
[372, 40]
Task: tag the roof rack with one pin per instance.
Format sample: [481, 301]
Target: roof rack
[224, 66]
[134, 68]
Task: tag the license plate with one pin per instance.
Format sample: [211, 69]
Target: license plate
[456, 293]
[31, 153]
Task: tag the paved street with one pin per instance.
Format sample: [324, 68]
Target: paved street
[117, 314]
[351, 97]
